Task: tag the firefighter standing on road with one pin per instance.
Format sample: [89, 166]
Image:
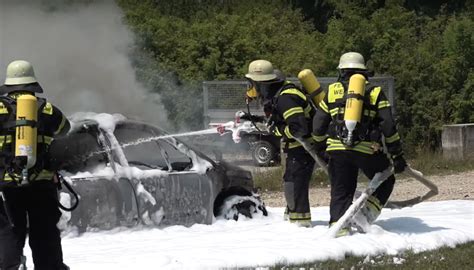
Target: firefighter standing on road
[290, 117]
[29, 201]
[351, 149]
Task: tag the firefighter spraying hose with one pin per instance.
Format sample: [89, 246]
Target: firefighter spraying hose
[289, 115]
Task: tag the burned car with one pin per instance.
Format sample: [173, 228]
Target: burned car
[127, 172]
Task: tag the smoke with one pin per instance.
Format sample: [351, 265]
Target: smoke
[79, 53]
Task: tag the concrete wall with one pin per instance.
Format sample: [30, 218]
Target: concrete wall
[458, 141]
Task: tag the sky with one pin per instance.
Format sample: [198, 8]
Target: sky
[266, 241]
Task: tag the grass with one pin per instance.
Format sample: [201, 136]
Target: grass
[270, 179]
[458, 258]
[434, 163]
[429, 163]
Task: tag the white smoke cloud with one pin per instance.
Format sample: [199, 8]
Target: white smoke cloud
[79, 53]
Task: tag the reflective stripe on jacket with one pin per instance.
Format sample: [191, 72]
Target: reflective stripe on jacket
[296, 114]
[376, 112]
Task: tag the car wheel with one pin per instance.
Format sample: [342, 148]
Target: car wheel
[248, 206]
[263, 153]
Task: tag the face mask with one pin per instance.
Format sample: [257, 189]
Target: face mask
[251, 92]
[267, 90]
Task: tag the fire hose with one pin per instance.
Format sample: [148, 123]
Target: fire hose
[410, 172]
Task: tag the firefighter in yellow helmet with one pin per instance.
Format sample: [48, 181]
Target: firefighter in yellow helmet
[290, 116]
[353, 117]
[29, 198]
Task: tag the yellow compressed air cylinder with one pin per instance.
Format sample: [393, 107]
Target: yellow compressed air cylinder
[354, 102]
[311, 84]
[26, 136]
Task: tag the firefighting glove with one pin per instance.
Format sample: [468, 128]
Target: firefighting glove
[272, 124]
[321, 146]
[315, 148]
[399, 163]
[321, 150]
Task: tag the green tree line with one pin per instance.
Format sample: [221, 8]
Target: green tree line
[426, 45]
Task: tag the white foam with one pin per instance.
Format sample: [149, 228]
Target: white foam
[266, 241]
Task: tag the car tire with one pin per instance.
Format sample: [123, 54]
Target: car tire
[263, 153]
[236, 205]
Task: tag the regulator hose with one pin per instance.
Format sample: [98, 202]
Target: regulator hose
[73, 192]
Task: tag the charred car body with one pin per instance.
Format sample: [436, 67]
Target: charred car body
[130, 172]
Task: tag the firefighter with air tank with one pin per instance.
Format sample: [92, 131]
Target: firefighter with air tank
[290, 117]
[349, 125]
[28, 189]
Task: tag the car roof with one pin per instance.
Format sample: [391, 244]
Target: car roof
[82, 122]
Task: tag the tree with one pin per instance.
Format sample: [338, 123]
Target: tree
[425, 45]
[209, 42]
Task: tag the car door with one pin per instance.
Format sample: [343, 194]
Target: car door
[84, 158]
[181, 194]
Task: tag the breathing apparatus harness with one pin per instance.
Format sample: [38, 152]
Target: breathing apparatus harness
[19, 162]
[365, 127]
[275, 119]
[23, 164]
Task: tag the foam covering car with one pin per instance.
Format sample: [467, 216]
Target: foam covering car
[127, 172]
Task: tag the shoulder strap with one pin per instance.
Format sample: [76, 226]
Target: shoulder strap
[286, 86]
[291, 88]
[41, 105]
[41, 102]
[9, 104]
[11, 107]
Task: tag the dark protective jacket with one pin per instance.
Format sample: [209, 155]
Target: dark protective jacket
[292, 114]
[51, 123]
[376, 120]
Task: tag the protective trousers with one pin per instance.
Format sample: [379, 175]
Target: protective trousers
[343, 171]
[298, 170]
[32, 209]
